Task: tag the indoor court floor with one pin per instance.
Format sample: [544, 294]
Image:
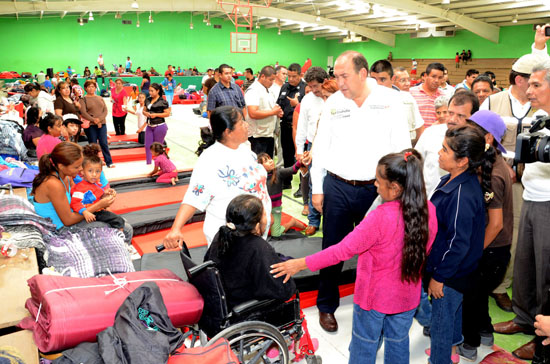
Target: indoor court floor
[182, 139]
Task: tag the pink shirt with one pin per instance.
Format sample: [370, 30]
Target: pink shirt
[46, 143]
[378, 240]
[118, 102]
[165, 164]
[425, 104]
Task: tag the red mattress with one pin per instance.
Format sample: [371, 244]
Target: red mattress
[122, 138]
[192, 234]
[177, 100]
[66, 311]
[146, 199]
[127, 155]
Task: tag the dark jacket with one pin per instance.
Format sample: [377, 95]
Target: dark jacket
[287, 90]
[458, 245]
[244, 270]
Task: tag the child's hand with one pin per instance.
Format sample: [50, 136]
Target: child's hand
[88, 216]
[306, 158]
[107, 201]
[109, 192]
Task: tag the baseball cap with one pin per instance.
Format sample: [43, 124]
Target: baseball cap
[492, 123]
[526, 63]
[71, 118]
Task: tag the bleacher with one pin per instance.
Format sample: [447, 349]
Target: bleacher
[500, 66]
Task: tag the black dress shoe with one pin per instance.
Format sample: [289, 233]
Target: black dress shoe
[328, 322]
[503, 301]
[298, 193]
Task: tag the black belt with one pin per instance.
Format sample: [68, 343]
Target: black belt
[352, 182]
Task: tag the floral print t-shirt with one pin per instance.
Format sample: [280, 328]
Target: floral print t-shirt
[220, 175]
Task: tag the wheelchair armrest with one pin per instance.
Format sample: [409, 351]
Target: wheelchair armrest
[199, 268]
[252, 305]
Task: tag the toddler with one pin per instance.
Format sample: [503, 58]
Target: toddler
[164, 167]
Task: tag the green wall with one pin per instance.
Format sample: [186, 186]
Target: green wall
[57, 43]
[514, 42]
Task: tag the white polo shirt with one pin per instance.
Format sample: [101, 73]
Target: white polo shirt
[428, 146]
[257, 95]
[310, 112]
[351, 139]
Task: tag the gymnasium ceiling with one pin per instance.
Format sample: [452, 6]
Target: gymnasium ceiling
[347, 20]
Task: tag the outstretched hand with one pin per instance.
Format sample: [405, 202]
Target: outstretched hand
[288, 268]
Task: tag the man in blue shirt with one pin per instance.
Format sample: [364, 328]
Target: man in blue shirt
[128, 65]
[225, 92]
[169, 85]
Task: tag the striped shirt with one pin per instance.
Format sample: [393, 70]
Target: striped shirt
[426, 104]
[220, 95]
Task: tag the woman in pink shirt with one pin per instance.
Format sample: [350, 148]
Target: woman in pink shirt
[50, 124]
[392, 243]
[119, 99]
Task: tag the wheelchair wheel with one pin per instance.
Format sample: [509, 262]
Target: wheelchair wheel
[251, 340]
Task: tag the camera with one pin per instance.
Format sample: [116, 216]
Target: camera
[534, 146]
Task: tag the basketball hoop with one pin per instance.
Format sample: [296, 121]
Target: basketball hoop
[240, 12]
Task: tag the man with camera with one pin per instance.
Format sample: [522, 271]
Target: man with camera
[530, 286]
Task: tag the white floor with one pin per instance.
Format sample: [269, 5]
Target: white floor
[182, 139]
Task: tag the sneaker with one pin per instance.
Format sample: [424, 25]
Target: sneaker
[487, 339]
[467, 352]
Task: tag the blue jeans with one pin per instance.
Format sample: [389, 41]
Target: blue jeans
[99, 135]
[424, 311]
[368, 328]
[314, 217]
[446, 328]
[169, 97]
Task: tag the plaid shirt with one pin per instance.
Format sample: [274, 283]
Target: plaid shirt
[425, 104]
[220, 95]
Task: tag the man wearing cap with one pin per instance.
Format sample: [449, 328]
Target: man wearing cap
[516, 111]
[476, 322]
[530, 286]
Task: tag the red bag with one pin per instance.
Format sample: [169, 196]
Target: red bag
[218, 353]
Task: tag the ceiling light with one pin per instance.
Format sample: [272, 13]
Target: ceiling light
[318, 19]
[135, 5]
[279, 32]
[191, 25]
[91, 16]
[137, 24]
[444, 2]
[151, 17]
[80, 21]
[257, 25]
[314, 37]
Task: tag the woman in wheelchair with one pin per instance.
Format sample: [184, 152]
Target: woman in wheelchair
[392, 243]
[243, 257]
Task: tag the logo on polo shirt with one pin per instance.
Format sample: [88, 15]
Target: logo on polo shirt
[379, 107]
[340, 113]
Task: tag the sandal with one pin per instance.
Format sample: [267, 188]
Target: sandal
[455, 358]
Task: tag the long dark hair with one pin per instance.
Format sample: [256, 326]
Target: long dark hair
[264, 157]
[222, 118]
[33, 114]
[48, 121]
[157, 87]
[486, 169]
[159, 149]
[65, 153]
[405, 169]
[469, 141]
[243, 213]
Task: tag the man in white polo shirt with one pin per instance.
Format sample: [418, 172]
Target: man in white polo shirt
[359, 124]
[262, 112]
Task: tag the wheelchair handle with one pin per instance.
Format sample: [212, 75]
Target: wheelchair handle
[160, 248]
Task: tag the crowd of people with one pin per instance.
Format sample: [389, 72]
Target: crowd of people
[438, 228]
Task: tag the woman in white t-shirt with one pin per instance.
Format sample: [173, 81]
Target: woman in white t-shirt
[226, 168]
[141, 119]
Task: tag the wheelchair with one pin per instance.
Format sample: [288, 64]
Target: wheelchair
[257, 331]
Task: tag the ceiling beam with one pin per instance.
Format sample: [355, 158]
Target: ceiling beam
[188, 5]
[484, 30]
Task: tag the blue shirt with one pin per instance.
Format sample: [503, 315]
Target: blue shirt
[220, 95]
[169, 85]
[128, 64]
[458, 245]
